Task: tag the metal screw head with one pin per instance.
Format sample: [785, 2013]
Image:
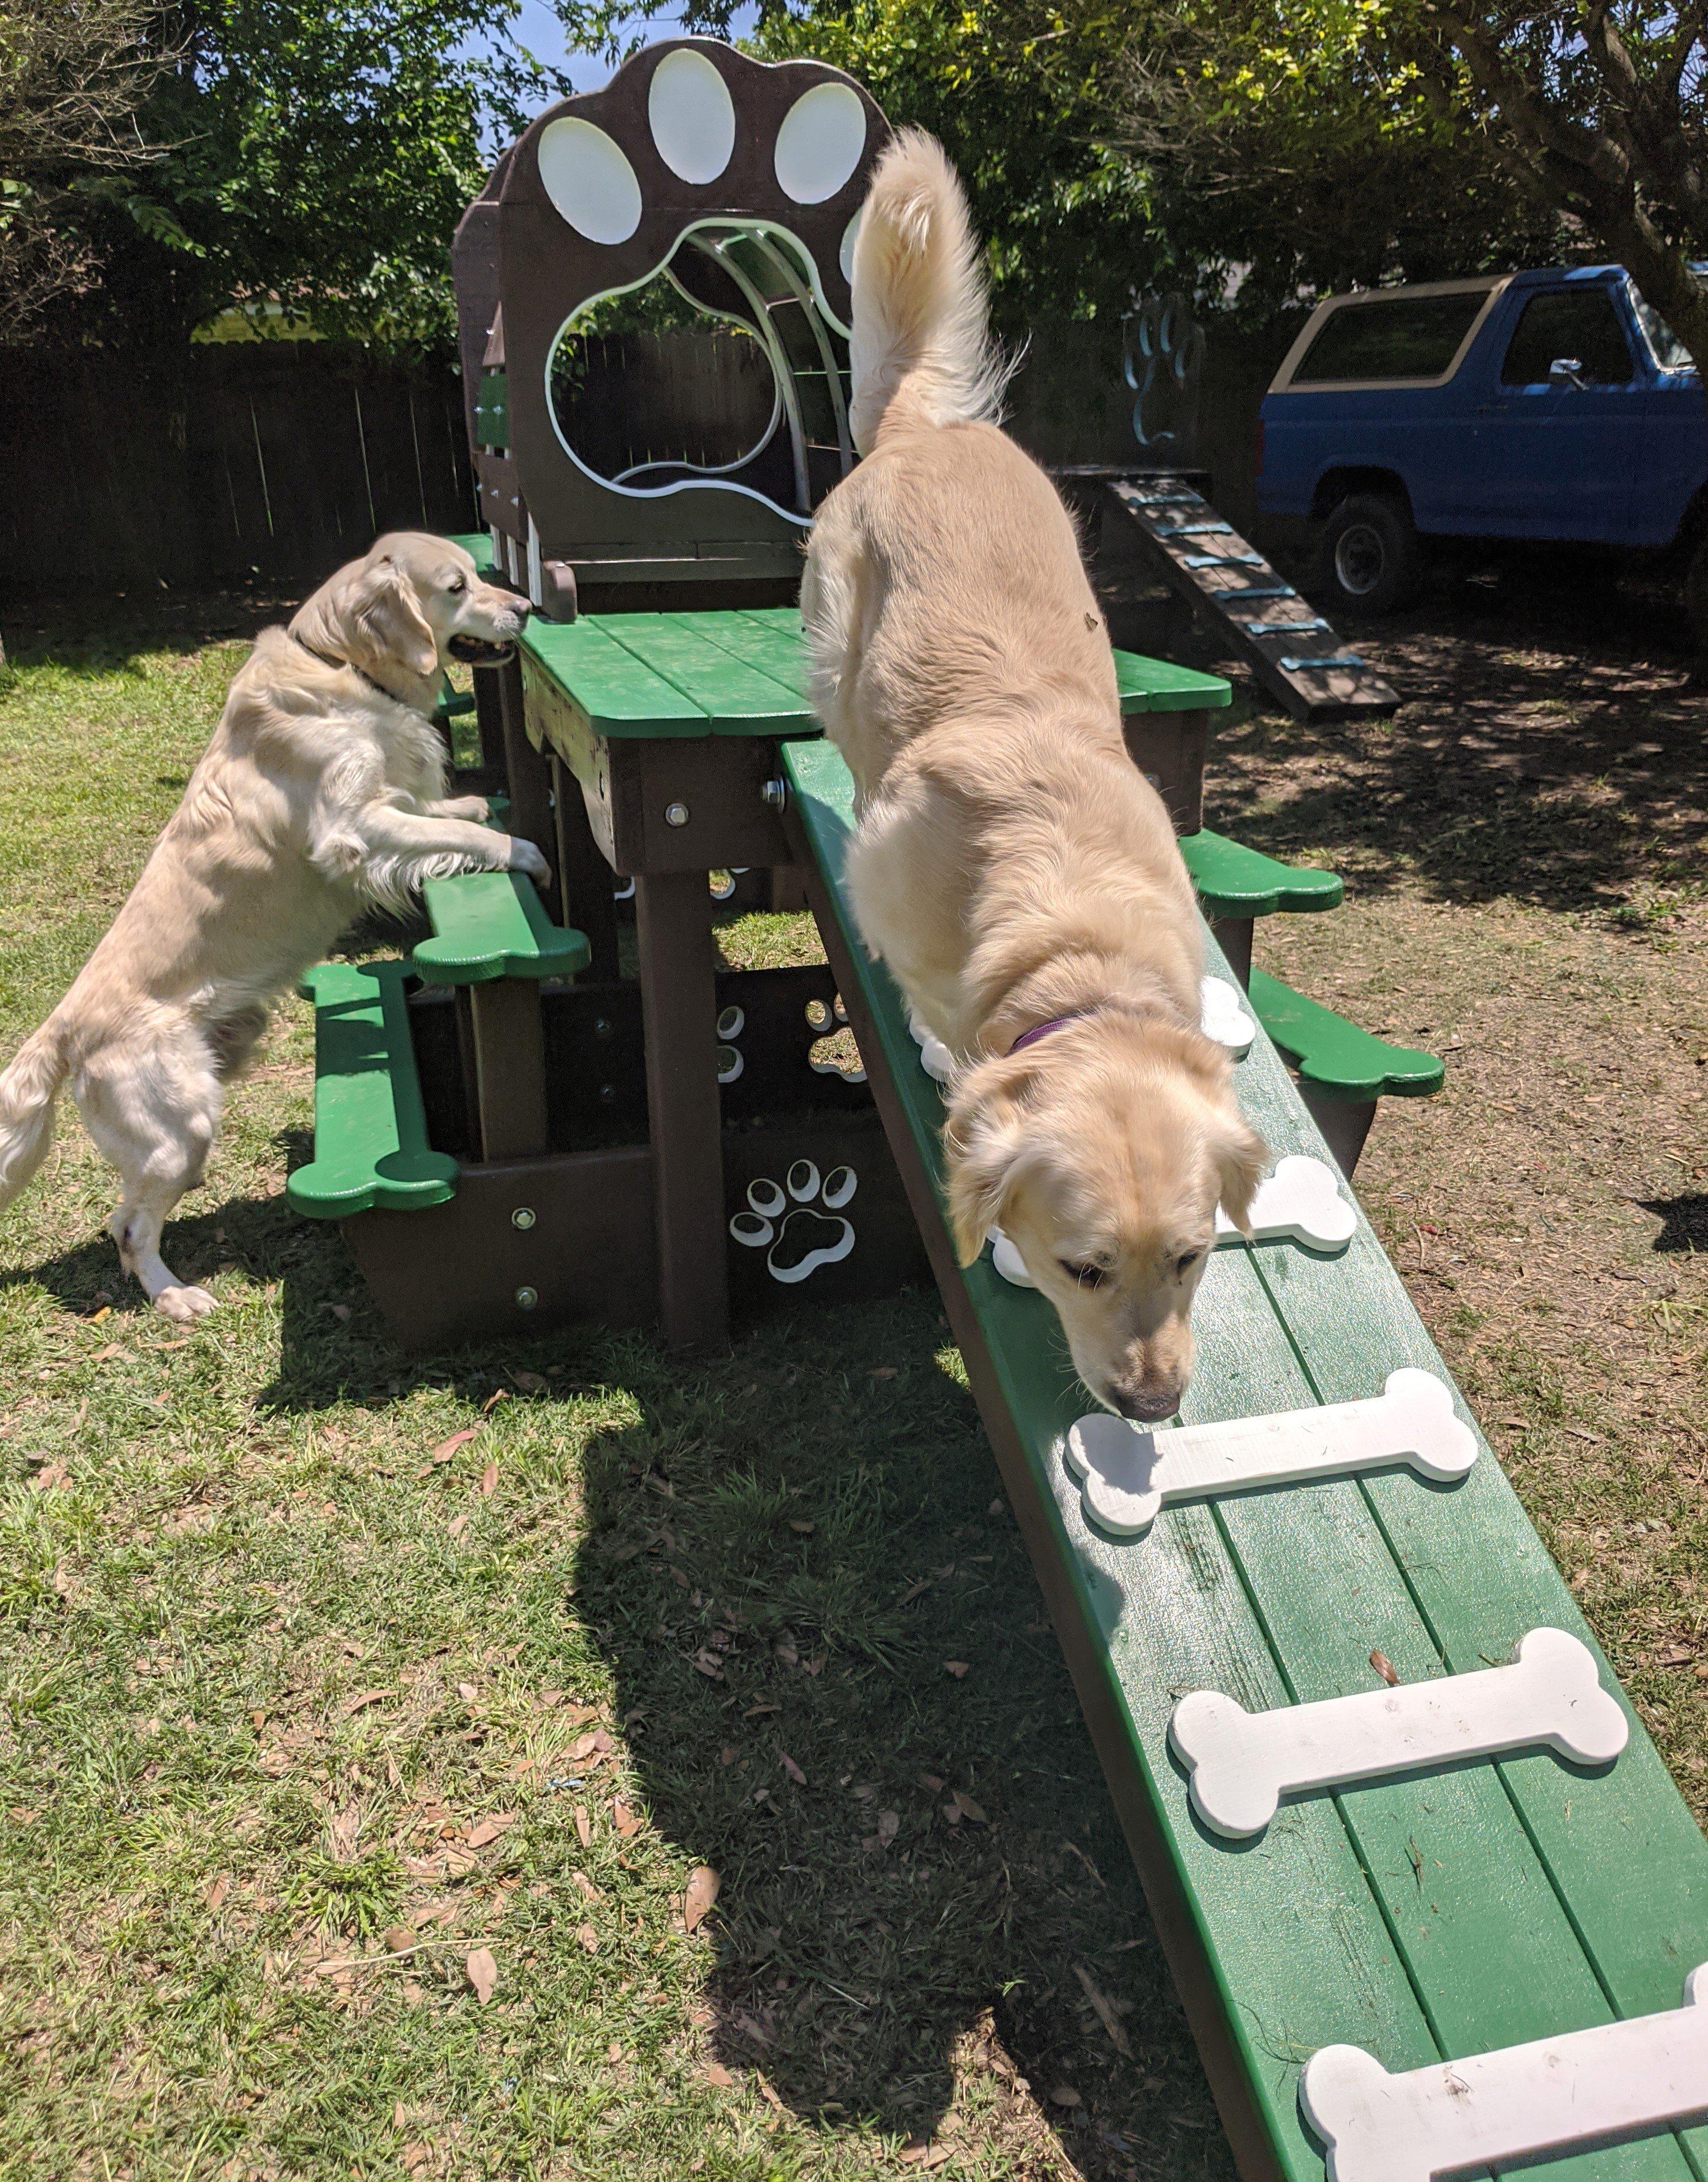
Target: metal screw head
[523, 1217]
[526, 1298]
[607, 1093]
[676, 814]
[774, 792]
[602, 1025]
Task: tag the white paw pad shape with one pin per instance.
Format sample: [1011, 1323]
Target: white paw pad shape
[1242, 1762]
[1301, 1202]
[799, 1221]
[691, 117]
[1126, 1472]
[1224, 1019]
[1595, 2086]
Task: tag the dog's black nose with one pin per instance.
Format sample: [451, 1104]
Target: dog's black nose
[1140, 1408]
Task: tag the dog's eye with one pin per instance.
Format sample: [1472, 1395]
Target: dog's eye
[460, 585]
[1087, 1277]
[1184, 1266]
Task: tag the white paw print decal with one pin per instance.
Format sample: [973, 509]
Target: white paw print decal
[798, 1222]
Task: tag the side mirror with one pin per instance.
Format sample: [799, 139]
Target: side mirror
[1566, 371]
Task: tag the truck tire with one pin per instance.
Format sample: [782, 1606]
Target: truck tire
[1696, 594]
[1372, 558]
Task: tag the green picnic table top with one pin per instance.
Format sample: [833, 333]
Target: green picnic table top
[1433, 1916]
[745, 672]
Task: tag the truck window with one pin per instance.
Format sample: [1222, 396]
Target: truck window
[1668, 352]
[1576, 321]
[1395, 337]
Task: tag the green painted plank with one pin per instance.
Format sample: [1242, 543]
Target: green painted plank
[1234, 881]
[1623, 1850]
[612, 690]
[738, 695]
[370, 1130]
[477, 543]
[1158, 685]
[1334, 1055]
[1288, 1926]
[487, 925]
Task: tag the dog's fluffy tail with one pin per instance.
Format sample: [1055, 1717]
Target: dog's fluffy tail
[27, 1090]
[921, 350]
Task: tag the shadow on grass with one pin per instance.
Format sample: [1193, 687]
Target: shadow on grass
[845, 1696]
[1549, 750]
[1683, 1222]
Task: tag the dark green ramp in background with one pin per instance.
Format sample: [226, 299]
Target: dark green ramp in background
[1422, 1918]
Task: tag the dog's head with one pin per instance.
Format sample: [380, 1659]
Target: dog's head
[1102, 1152]
[406, 607]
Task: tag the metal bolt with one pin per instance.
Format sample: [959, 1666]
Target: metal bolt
[676, 814]
[774, 792]
[523, 1217]
[602, 1026]
[607, 1093]
[526, 1298]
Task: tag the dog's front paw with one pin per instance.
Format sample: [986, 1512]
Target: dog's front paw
[186, 1305]
[465, 806]
[525, 857]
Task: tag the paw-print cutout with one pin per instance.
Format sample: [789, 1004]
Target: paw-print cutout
[1164, 364]
[833, 1051]
[728, 189]
[798, 1222]
[731, 1023]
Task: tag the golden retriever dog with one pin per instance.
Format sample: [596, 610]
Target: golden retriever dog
[322, 791]
[1011, 865]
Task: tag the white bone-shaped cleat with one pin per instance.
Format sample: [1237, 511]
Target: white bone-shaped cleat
[1594, 2086]
[1242, 1763]
[1301, 1202]
[1127, 1472]
[1222, 1019]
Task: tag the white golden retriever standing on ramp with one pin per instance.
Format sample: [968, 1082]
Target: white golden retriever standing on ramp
[322, 791]
[1012, 866]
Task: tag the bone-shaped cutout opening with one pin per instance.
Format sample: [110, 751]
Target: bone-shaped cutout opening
[723, 368]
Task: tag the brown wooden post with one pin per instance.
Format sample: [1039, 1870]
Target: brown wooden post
[584, 876]
[679, 1014]
[509, 1068]
[528, 773]
[1345, 1123]
[1234, 937]
[488, 717]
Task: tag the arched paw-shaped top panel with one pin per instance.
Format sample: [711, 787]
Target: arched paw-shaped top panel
[727, 190]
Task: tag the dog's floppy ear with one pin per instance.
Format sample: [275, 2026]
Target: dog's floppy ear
[1240, 1155]
[382, 621]
[982, 1141]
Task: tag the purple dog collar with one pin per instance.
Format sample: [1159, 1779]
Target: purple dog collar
[1044, 1029]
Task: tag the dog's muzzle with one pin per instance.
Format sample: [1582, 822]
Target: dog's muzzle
[480, 651]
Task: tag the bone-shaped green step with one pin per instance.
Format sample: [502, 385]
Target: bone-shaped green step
[370, 1129]
[1334, 1055]
[487, 925]
[1234, 881]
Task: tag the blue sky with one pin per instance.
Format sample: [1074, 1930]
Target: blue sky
[538, 28]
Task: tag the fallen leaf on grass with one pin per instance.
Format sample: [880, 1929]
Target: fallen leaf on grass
[112, 1351]
[702, 1891]
[413, 1994]
[447, 1447]
[709, 1665]
[765, 1705]
[457, 1526]
[488, 1830]
[1064, 2095]
[959, 1667]
[341, 1831]
[369, 1697]
[586, 1886]
[492, 1401]
[629, 1823]
[1104, 2009]
[489, 1480]
[793, 1770]
[583, 1826]
[219, 1890]
[1385, 1668]
[969, 1809]
[805, 1530]
[889, 1825]
[530, 1382]
[715, 2072]
[399, 1938]
[483, 1974]
[588, 1938]
[928, 2155]
[105, 1311]
[468, 1692]
[51, 1475]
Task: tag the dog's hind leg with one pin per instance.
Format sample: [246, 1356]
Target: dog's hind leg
[154, 1112]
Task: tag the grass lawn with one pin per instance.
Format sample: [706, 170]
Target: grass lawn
[312, 1704]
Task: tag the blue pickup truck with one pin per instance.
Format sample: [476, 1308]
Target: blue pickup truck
[1548, 406]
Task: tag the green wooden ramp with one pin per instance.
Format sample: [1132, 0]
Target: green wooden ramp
[1430, 1917]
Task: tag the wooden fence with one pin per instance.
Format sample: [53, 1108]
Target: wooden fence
[218, 465]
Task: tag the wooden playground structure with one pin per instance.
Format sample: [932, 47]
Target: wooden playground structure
[539, 1118]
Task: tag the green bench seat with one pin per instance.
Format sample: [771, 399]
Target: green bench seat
[1234, 881]
[487, 925]
[370, 1129]
[1333, 1056]
[1424, 1918]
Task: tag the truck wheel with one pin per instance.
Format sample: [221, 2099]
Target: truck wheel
[1371, 554]
[1696, 594]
